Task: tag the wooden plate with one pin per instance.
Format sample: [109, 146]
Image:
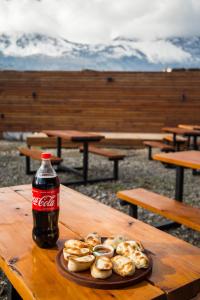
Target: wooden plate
[113, 282]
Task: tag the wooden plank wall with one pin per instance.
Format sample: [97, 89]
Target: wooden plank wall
[98, 101]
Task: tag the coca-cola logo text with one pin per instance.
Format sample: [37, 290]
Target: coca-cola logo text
[45, 200]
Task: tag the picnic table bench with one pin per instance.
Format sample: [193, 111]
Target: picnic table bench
[112, 155]
[155, 144]
[32, 271]
[35, 154]
[164, 206]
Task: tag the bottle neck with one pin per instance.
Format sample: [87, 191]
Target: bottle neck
[46, 169]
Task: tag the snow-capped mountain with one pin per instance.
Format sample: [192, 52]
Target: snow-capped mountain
[41, 52]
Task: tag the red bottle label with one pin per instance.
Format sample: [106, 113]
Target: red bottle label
[45, 200]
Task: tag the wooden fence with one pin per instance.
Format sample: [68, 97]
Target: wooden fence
[98, 101]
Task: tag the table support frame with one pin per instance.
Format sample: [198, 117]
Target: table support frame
[84, 168]
[179, 183]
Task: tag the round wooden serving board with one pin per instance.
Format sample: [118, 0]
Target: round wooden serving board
[113, 282]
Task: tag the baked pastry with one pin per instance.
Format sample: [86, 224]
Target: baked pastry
[66, 255]
[104, 263]
[77, 264]
[93, 239]
[114, 241]
[123, 265]
[140, 259]
[76, 251]
[102, 268]
[75, 244]
[128, 247]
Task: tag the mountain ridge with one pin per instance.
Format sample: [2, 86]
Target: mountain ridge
[35, 51]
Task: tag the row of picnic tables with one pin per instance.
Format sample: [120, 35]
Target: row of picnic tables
[182, 159]
[32, 271]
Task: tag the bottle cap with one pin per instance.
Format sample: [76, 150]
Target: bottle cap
[46, 155]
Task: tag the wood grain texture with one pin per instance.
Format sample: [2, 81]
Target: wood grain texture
[132, 102]
[33, 270]
[164, 206]
[187, 159]
[74, 135]
[176, 263]
[36, 154]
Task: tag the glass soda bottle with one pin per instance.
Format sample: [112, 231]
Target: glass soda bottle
[45, 204]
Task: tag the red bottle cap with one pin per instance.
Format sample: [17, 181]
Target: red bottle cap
[46, 155]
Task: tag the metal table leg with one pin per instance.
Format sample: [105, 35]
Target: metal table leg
[85, 162]
[133, 211]
[179, 183]
[195, 146]
[59, 146]
[28, 165]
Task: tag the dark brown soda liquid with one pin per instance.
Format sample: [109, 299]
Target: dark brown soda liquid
[45, 223]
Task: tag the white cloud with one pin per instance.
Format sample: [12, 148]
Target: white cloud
[95, 21]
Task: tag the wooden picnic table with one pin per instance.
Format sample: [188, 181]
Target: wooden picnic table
[193, 127]
[33, 273]
[82, 137]
[182, 160]
[185, 132]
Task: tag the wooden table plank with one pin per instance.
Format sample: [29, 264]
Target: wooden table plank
[176, 263]
[74, 135]
[188, 159]
[181, 131]
[32, 270]
[192, 127]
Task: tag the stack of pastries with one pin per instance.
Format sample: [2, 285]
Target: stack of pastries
[118, 254]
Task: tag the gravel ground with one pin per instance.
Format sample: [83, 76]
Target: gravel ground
[135, 171]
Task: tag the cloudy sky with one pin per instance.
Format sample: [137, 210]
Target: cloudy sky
[99, 21]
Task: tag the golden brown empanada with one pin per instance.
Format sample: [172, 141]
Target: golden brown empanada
[123, 265]
[128, 247]
[93, 239]
[102, 268]
[75, 244]
[77, 264]
[140, 259]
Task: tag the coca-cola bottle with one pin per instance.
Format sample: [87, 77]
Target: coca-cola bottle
[45, 204]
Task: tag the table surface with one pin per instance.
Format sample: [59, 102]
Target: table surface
[193, 127]
[74, 135]
[33, 272]
[188, 159]
[181, 131]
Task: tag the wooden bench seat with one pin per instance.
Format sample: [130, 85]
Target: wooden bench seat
[164, 206]
[110, 154]
[180, 141]
[114, 156]
[155, 144]
[32, 153]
